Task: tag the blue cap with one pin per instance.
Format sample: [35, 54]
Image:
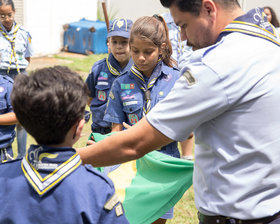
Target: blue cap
[120, 27]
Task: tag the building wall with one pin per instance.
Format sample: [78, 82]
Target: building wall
[275, 4]
[45, 20]
[133, 9]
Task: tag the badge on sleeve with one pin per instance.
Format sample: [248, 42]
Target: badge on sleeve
[111, 95]
[110, 204]
[101, 95]
[189, 77]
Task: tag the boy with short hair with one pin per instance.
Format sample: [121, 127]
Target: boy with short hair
[54, 186]
[7, 120]
[104, 72]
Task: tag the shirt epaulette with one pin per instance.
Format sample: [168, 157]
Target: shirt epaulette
[4, 77]
[26, 31]
[90, 169]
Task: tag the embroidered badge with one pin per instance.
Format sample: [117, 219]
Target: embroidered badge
[133, 118]
[111, 95]
[130, 103]
[119, 210]
[102, 83]
[103, 76]
[189, 77]
[101, 95]
[110, 204]
[127, 86]
[120, 23]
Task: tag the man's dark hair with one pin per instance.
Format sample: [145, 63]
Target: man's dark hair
[194, 6]
[49, 102]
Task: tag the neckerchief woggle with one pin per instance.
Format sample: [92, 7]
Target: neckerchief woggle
[146, 88]
[12, 42]
[45, 167]
[253, 23]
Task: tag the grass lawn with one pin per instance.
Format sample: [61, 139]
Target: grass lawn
[185, 211]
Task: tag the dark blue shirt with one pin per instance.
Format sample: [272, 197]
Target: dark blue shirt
[126, 100]
[99, 82]
[7, 132]
[51, 186]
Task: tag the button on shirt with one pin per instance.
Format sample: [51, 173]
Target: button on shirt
[99, 82]
[7, 132]
[22, 47]
[126, 100]
[230, 98]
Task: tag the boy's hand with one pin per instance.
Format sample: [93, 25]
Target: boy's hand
[127, 126]
[90, 140]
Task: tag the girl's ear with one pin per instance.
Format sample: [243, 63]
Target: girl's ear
[162, 48]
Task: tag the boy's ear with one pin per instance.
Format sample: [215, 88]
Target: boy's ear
[78, 130]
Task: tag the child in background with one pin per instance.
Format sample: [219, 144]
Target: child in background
[149, 80]
[49, 184]
[7, 120]
[181, 53]
[104, 72]
[15, 54]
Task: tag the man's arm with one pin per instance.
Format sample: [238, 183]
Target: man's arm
[124, 146]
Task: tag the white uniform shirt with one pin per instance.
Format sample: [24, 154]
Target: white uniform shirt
[233, 106]
[22, 46]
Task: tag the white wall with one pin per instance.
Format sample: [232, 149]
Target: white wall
[275, 4]
[44, 19]
[133, 9]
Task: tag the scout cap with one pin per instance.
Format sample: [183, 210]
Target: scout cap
[120, 27]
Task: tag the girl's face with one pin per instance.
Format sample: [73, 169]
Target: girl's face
[7, 15]
[145, 55]
[268, 14]
[120, 49]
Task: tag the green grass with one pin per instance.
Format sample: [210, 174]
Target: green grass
[185, 211]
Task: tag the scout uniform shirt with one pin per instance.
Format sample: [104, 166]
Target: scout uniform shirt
[15, 46]
[229, 94]
[99, 83]
[51, 186]
[7, 132]
[181, 52]
[127, 100]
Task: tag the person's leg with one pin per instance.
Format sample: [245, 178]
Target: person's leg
[21, 140]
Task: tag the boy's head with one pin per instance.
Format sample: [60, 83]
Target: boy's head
[49, 103]
[118, 35]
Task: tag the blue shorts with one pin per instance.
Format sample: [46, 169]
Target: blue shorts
[168, 214]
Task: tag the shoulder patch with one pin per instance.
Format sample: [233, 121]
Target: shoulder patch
[189, 77]
[119, 210]
[110, 204]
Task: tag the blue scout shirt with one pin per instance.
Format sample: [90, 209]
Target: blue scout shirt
[22, 47]
[51, 186]
[181, 52]
[7, 132]
[99, 82]
[126, 99]
[229, 94]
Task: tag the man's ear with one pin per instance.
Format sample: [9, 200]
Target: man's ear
[209, 7]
